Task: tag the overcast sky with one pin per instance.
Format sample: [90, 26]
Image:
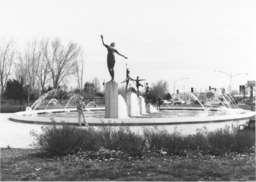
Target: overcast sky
[165, 40]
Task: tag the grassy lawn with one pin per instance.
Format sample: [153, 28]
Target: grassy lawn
[29, 164]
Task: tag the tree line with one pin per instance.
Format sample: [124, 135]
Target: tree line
[41, 63]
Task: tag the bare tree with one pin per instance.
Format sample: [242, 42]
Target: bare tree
[97, 84]
[28, 67]
[79, 69]
[60, 60]
[7, 54]
[43, 70]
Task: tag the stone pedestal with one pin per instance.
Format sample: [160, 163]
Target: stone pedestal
[132, 104]
[142, 105]
[111, 100]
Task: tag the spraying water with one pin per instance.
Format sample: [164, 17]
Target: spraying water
[41, 99]
[54, 101]
[220, 101]
[91, 103]
[76, 96]
[225, 100]
[198, 101]
[232, 101]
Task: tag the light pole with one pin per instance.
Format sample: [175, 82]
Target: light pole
[21, 89]
[175, 83]
[230, 77]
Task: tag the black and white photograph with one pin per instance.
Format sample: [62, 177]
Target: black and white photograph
[125, 90]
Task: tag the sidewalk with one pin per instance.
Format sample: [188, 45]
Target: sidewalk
[14, 134]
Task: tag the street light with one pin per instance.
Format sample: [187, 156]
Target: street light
[21, 92]
[175, 83]
[230, 77]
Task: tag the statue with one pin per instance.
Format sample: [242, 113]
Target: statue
[111, 58]
[147, 89]
[137, 83]
[127, 78]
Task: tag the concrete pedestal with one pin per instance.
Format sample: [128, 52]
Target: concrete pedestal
[142, 105]
[132, 104]
[111, 100]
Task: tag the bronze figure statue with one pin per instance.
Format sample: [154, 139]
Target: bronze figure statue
[127, 79]
[111, 57]
[137, 83]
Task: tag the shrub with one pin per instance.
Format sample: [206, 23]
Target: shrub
[64, 139]
[161, 139]
[198, 141]
[222, 140]
[244, 140]
[218, 142]
[156, 138]
[122, 138]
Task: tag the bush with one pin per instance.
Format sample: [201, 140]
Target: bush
[222, 140]
[156, 138]
[65, 139]
[199, 141]
[122, 138]
[11, 108]
[218, 142]
[244, 140]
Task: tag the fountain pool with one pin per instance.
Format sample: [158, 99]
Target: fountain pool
[186, 119]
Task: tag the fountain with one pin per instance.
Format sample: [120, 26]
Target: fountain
[133, 112]
[232, 101]
[54, 101]
[145, 115]
[74, 97]
[198, 101]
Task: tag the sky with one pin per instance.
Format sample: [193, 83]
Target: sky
[163, 39]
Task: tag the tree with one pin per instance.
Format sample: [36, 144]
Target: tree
[159, 89]
[7, 55]
[28, 67]
[43, 70]
[79, 69]
[209, 95]
[12, 90]
[168, 96]
[89, 88]
[96, 83]
[60, 60]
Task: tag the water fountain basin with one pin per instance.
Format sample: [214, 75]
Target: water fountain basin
[238, 116]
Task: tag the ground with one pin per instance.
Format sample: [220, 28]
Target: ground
[28, 164]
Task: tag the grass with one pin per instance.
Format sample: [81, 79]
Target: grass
[31, 165]
[120, 156]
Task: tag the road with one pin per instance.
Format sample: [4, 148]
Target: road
[16, 135]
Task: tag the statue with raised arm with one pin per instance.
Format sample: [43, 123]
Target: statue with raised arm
[127, 79]
[137, 83]
[111, 58]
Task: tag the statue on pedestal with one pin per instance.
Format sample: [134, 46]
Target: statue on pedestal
[127, 79]
[137, 83]
[111, 58]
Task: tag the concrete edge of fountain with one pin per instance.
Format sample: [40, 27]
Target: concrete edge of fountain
[23, 117]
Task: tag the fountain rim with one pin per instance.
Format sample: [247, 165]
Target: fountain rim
[27, 117]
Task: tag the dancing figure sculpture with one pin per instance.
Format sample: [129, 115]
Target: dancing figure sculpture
[127, 79]
[138, 84]
[111, 58]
